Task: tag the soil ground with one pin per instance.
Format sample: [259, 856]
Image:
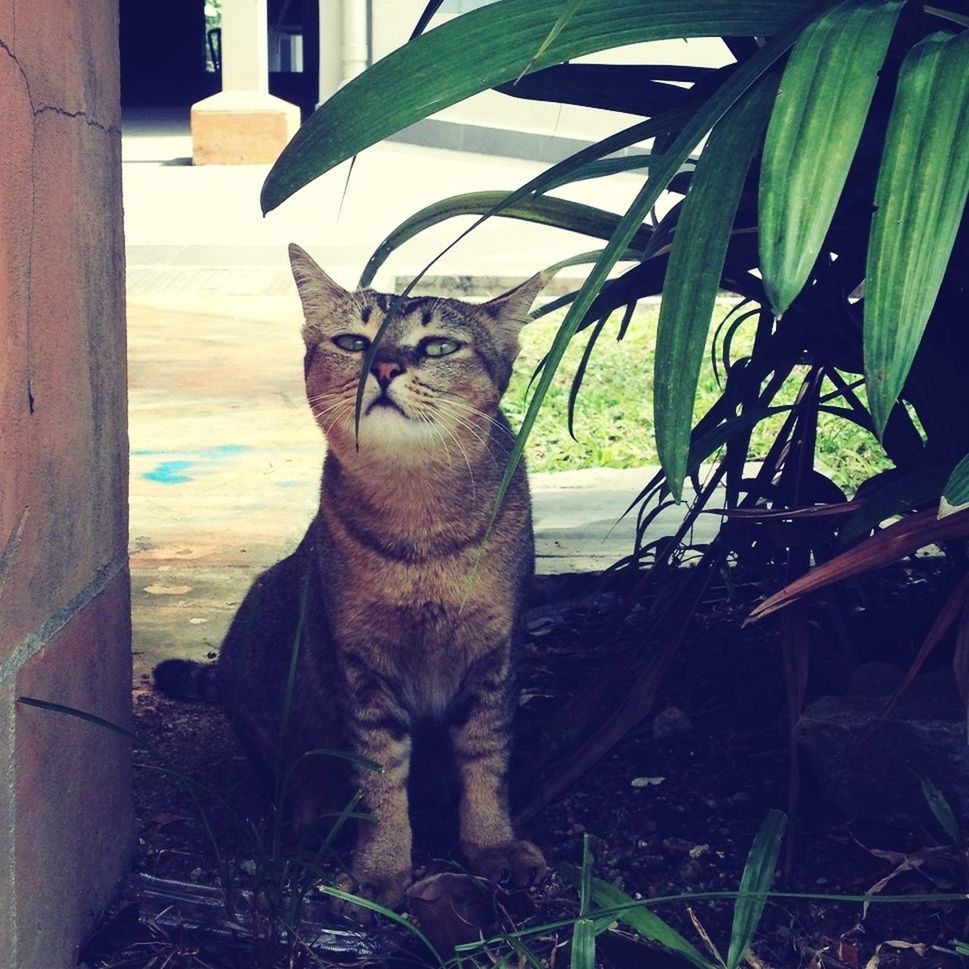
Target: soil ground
[672, 810]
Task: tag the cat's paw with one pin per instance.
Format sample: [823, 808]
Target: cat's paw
[516, 864]
[388, 891]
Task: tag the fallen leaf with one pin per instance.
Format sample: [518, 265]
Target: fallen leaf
[451, 909]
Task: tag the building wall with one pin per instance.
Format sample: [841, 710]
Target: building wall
[65, 809]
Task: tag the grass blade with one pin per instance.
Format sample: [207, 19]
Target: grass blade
[485, 48]
[919, 199]
[693, 277]
[940, 807]
[814, 130]
[645, 922]
[583, 945]
[755, 883]
[386, 913]
[29, 701]
[585, 877]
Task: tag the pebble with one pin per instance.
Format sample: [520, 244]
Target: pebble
[671, 723]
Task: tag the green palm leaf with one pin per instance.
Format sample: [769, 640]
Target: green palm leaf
[693, 277]
[919, 199]
[814, 131]
[462, 58]
[542, 210]
[660, 174]
[955, 494]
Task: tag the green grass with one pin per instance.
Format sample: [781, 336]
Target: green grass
[613, 415]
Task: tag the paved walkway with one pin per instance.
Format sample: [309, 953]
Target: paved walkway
[225, 457]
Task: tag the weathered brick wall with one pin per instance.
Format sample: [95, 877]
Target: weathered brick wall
[65, 812]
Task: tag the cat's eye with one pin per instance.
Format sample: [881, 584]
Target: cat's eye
[351, 342]
[439, 346]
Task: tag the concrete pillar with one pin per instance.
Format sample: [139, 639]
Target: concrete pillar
[331, 48]
[344, 42]
[243, 124]
[245, 46]
[66, 822]
[356, 50]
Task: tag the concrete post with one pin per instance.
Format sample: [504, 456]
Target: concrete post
[331, 46]
[245, 46]
[355, 48]
[243, 124]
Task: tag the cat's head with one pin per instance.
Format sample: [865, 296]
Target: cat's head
[440, 367]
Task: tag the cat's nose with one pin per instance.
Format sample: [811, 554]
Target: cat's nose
[385, 371]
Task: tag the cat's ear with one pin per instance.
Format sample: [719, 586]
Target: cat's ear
[322, 298]
[511, 308]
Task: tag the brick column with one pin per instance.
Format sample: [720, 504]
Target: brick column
[65, 799]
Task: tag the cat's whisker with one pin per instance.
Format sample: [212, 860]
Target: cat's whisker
[468, 424]
[457, 421]
[320, 414]
[338, 391]
[340, 415]
[424, 417]
[457, 440]
[474, 414]
[461, 420]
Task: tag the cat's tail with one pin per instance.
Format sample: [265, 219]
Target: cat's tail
[183, 679]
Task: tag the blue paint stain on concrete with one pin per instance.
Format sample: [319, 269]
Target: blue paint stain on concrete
[188, 465]
[170, 472]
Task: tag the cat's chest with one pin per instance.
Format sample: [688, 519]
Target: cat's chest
[424, 648]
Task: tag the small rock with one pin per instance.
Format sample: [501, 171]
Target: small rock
[687, 871]
[671, 723]
[677, 847]
[248, 866]
[870, 759]
[646, 781]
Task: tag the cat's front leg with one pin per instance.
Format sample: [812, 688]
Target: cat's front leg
[379, 731]
[481, 735]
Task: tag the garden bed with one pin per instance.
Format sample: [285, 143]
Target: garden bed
[672, 810]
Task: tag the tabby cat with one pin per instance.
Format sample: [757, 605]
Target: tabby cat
[404, 598]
